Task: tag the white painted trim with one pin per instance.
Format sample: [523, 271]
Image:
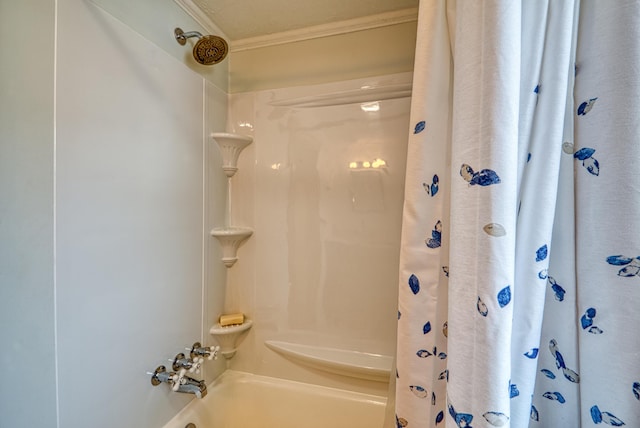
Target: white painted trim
[54, 208]
[200, 17]
[314, 32]
[361, 95]
[326, 30]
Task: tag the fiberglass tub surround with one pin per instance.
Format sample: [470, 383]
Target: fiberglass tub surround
[324, 192]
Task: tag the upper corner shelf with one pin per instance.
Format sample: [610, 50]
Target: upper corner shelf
[230, 238]
[230, 146]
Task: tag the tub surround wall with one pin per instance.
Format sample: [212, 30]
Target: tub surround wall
[321, 267]
[107, 266]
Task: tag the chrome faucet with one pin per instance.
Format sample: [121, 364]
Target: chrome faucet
[192, 365]
[179, 381]
[208, 352]
[193, 386]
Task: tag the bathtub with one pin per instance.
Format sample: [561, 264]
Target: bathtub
[243, 400]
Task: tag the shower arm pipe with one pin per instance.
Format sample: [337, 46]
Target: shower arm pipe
[182, 37]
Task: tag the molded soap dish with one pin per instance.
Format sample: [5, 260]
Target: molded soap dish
[230, 238]
[228, 336]
[230, 147]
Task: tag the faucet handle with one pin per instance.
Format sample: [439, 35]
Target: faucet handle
[183, 362]
[210, 352]
[196, 365]
[213, 355]
[177, 379]
[161, 375]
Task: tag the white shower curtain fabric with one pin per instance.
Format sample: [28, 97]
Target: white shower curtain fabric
[519, 270]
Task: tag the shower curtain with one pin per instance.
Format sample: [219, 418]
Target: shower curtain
[519, 273]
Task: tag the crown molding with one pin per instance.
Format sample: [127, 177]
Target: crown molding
[198, 15]
[326, 30]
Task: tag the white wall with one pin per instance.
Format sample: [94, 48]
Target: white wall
[27, 353]
[135, 276]
[322, 266]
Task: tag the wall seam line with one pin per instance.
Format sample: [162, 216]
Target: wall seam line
[55, 209]
[204, 210]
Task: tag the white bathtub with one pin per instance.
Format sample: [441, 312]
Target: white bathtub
[243, 400]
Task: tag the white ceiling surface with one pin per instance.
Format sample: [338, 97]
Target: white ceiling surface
[242, 19]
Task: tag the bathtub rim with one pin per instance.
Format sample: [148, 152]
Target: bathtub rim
[233, 377]
[239, 376]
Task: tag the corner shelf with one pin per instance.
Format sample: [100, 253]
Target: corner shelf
[231, 145]
[344, 362]
[230, 237]
[228, 336]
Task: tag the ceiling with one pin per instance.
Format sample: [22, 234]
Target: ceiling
[242, 19]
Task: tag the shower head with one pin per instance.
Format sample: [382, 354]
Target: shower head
[208, 50]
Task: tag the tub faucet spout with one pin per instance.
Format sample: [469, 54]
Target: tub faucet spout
[193, 386]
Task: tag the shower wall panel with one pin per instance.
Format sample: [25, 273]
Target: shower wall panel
[323, 188]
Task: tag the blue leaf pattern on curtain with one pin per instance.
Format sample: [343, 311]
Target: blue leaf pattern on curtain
[586, 321]
[636, 390]
[418, 391]
[432, 189]
[513, 390]
[526, 237]
[585, 107]
[436, 236]
[534, 415]
[632, 267]
[557, 289]
[463, 420]
[548, 373]
[482, 308]
[541, 253]
[486, 177]
[554, 396]
[414, 284]
[504, 296]
[588, 161]
[496, 419]
[606, 417]
[426, 328]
